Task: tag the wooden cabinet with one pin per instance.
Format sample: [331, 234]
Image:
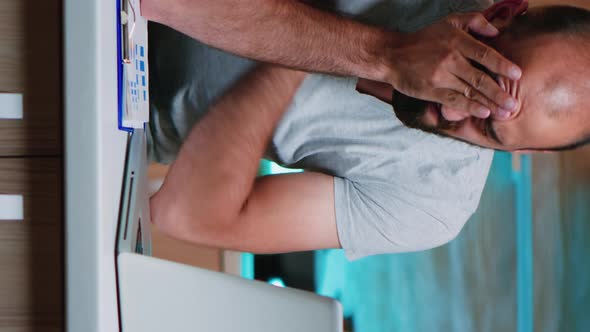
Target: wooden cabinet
[30, 64]
[31, 249]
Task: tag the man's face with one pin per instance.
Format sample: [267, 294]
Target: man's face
[552, 109]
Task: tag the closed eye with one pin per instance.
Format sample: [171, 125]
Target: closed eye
[491, 131]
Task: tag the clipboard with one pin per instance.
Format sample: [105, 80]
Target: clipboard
[132, 66]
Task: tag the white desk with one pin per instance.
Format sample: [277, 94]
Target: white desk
[95, 157]
[94, 160]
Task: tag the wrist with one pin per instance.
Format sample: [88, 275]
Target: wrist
[378, 62]
[149, 10]
[156, 10]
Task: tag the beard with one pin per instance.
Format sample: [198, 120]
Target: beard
[410, 111]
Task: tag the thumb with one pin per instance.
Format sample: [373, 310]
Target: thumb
[476, 23]
[453, 115]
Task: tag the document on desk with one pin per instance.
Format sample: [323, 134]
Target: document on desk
[135, 112]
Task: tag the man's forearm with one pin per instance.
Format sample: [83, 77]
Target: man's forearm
[284, 32]
[218, 163]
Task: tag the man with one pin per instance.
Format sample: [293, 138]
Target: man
[373, 186]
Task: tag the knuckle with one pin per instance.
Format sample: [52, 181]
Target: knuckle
[438, 78]
[455, 56]
[469, 93]
[482, 53]
[445, 61]
[451, 18]
[451, 57]
[478, 81]
[452, 98]
[477, 17]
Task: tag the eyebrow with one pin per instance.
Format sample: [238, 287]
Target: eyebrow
[492, 131]
[489, 124]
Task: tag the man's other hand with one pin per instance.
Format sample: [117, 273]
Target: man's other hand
[434, 64]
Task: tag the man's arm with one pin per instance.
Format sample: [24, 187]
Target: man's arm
[432, 64]
[211, 195]
[289, 33]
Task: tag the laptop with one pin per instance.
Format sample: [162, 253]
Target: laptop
[158, 295]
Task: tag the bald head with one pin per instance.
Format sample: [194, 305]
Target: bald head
[552, 46]
[568, 21]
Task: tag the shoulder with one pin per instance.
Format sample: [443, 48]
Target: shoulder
[408, 211]
[435, 188]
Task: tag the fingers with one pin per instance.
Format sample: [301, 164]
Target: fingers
[489, 58]
[458, 106]
[483, 88]
[497, 112]
[478, 51]
[453, 115]
[451, 99]
[474, 22]
[477, 23]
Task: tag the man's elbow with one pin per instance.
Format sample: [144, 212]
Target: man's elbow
[188, 222]
[163, 214]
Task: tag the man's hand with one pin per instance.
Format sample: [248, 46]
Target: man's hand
[434, 64]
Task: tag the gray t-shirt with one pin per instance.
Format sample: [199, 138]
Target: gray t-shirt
[396, 189]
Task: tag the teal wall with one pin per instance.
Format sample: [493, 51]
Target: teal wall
[482, 281]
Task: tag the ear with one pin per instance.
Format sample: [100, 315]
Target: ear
[503, 13]
[501, 24]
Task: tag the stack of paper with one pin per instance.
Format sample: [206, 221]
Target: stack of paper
[135, 67]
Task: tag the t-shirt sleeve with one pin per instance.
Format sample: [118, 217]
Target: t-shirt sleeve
[396, 189]
[417, 211]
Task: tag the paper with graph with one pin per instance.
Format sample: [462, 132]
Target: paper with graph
[135, 66]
